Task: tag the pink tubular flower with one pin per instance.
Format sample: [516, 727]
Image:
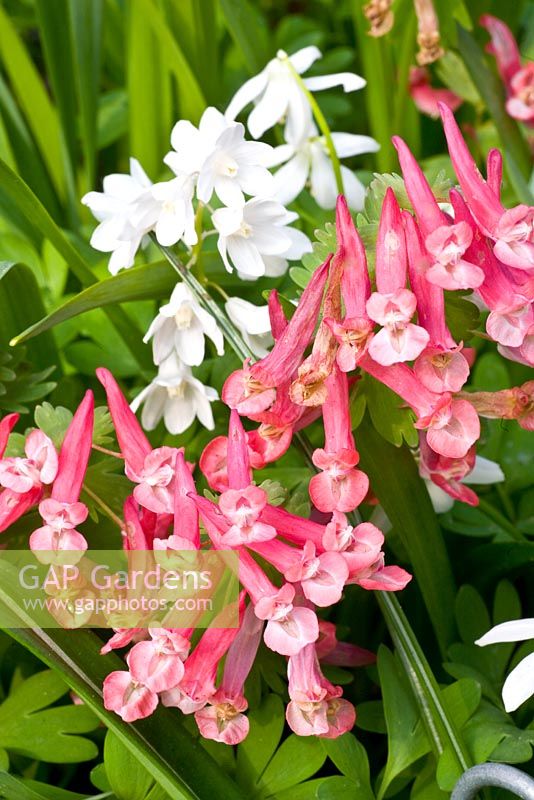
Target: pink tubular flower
[132, 441]
[447, 244]
[441, 367]
[253, 389]
[7, 424]
[393, 306]
[242, 508]
[340, 654]
[223, 719]
[512, 230]
[426, 97]
[289, 628]
[516, 403]
[353, 333]
[448, 472]
[518, 80]
[159, 660]
[38, 468]
[452, 425]
[63, 511]
[127, 696]
[338, 486]
[316, 707]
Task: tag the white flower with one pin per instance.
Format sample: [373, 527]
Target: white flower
[253, 323]
[224, 162]
[176, 396]
[310, 157]
[519, 684]
[181, 326]
[484, 472]
[114, 208]
[168, 210]
[254, 238]
[277, 94]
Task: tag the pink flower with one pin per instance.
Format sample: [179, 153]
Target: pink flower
[132, 441]
[289, 628]
[38, 468]
[447, 244]
[159, 661]
[518, 81]
[448, 472]
[242, 508]
[340, 654]
[128, 697]
[322, 576]
[512, 230]
[426, 97]
[7, 424]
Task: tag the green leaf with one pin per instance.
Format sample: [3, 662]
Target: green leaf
[33, 99]
[396, 481]
[127, 777]
[139, 283]
[12, 788]
[407, 740]
[19, 385]
[462, 316]
[452, 71]
[295, 760]
[17, 281]
[249, 31]
[350, 758]
[517, 159]
[471, 614]
[325, 243]
[21, 196]
[393, 422]
[29, 727]
[266, 726]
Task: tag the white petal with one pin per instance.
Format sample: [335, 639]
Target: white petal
[519, 684]
[211, 329]
[227, 220]
[348, 80]
[228, 191]
[205, 185]
[141, 397]
[353, 188]
[518, 630]
[212, 123]
[289, 180]
[300, 244]
[169, 227]
[246, 94]
[245, 257]
[189, 344]
[270, 240]
[352, 144]
[304, 58]
[247, 316]
[270, 109]
[223, 252]
[179, 413]
[255, 180]
[203, 408]
[485, 471]
[153, 408]
[323, 181]
[441, 501]
[274, 266]
[279, 155]
[138, 174]
[299, 115]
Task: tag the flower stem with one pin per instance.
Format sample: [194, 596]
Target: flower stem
[321, 122]
[490, 511]
[104, 506]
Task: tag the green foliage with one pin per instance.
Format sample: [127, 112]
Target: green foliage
[20, 386]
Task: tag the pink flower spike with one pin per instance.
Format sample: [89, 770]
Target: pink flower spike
[128, 698]
[336, 414]
[452, 430]
[447, 473]
[14, 504]
[75, 452]
[132, 441]
[442, 370]
[386, 579]
[447, 245]
[287, 352]
[214, 465]
[185, 510]
[352, 336]
[7, 424]
[306, 711]
[239, 472]
[60, 546]
[244, 392]
[223, 719]
[340, 716]
[156, 490]
[424, 203]
[399, 340]
[514, 235]
[391, 258]
[503, 46]
[242, 508]
[520, 104]
[355, 283]
[291, 527]
[494, 171]
[339, 487]
[288, 634]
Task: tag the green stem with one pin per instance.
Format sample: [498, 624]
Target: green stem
[490, 511]
[321, 122]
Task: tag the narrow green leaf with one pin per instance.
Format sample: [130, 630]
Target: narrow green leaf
[266, 726]
[21, 196]
[127, 777]
[34, 101]
[395, 479]
[139, 283]
[517, 159]
[86, 32]
[249, 31]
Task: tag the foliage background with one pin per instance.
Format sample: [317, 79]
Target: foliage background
[84, 84]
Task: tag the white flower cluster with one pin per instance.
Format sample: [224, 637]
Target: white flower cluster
[215, 164]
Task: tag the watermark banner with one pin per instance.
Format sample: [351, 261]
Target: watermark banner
[119, 589]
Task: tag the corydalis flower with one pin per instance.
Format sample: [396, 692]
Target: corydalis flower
[518, 80]
[255, 238]
[277, 94]
[180, 327]
[177, 397]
